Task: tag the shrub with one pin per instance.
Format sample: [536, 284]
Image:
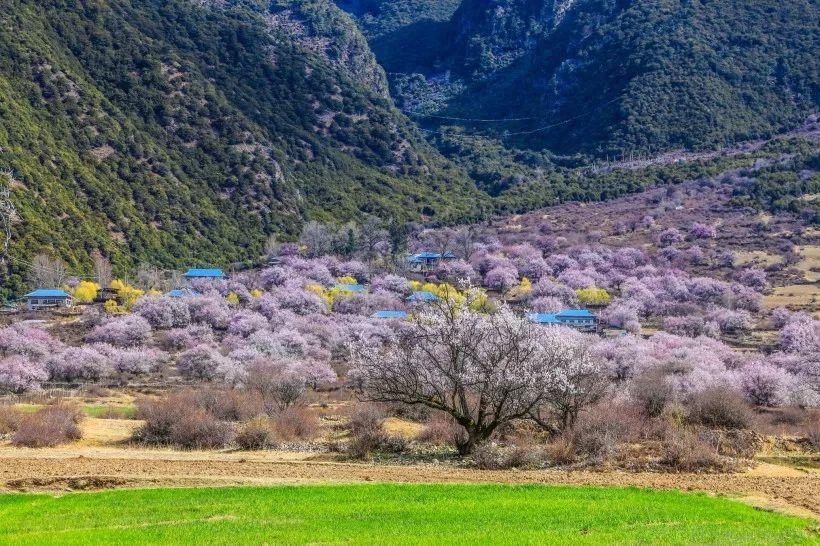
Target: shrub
[227, 404]
[524, 456]
[164, 312]
[137, 361]
[19, 374]
[593, 296]
[9, 419]
[489, 456]
[801, 334]
[277, 388]
[84, 363]
[754, 278]
[366, 420]
[764, 384]
[51, 426]
[256, 434]
[702, 231]
[652, 392]
[599, 431]
[199, 429]
[560, 451]
[812, 432]
[719, 407]
[127, 331]
[201, 362]
[295, 423]
[670, 236]
[684, 451]
[442, 430]
[180, 419]
[501, 278]
[158, 416]
[366, 431]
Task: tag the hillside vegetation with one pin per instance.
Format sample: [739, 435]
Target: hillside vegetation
[184, 133]
[603, 77]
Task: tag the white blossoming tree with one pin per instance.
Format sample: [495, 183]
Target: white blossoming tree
[483, 370]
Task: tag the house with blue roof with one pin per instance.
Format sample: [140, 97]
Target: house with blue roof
[394, 315]
[580, 319]
[47, 298]
[182, 293]
[426, 260]
[354, 288]
[422, 296]
[208, 273]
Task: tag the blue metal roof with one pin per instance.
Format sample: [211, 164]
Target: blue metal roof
[421, 256]
[575, 313]
[48, 293]
[544, 318]
[422, 296]
[181, 293]
[351, 287]
[390, 314]
[205, 273]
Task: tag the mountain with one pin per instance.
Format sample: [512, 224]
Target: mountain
[184, 132]
[607, 77]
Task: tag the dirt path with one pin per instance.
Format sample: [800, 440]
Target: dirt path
[770, 486]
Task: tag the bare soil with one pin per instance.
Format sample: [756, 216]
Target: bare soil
[82, 467]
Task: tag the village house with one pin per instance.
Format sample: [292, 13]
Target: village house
[396, 315]
[47, 298]
[580, 319]
[422, 296]
[352, 288]
[182, 293]
[424, 261]
[213, 274]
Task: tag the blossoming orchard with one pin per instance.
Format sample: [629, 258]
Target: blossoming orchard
[455, 336]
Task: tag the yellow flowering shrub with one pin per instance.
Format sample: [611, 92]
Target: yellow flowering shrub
[593, 296]
[86, 291]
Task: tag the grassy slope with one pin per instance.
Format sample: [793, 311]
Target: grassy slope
[394, 514]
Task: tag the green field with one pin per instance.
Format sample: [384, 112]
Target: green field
[392, 514]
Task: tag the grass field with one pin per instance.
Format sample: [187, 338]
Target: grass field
[92, 410]
[392, 514]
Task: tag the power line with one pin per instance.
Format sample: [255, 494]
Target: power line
[589, 112]
[473, 119]
[531, 131]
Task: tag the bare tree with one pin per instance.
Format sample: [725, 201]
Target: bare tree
[8, 212]
[465, 239]
[317, 238]
[47, 271]
[102, 269]
[373, 239]
[271, 246]
[439, 240]
[150, 277]
[483, 370]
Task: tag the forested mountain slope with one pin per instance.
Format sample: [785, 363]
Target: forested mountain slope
[184, 132]
[606, 77]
